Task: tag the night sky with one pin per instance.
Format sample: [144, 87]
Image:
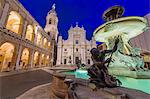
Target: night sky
[86, 12]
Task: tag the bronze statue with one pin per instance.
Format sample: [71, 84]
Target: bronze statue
[98, 72]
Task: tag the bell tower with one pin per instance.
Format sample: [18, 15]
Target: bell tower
[52, 23]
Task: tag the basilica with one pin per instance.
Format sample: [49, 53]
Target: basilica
[76, 48]
[24, 44]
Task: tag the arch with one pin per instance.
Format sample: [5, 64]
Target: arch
[24, 58]
[43, 59]
[14, 22]
[39, 39]
[45, 42]
[30, 33]
[47, 60]
[36, 59]
[49, 45]
[6, 54]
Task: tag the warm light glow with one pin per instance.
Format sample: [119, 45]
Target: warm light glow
[49, 44]
[45, 42]
[24, 58]
[43, 59]
[47, 60]
[39, 39]
[14, 22]
[47, 57]
[30, 33]
[6, 54]
[36, 58]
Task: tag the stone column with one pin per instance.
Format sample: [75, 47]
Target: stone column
[1, 38]
[24, 29]
[19, 57]
[83, 55]
[35, 39]
[40, 59]
[59, 55]
[14, 58]
[42, 45]
[72, 55]
[31, 58]
[5, 13]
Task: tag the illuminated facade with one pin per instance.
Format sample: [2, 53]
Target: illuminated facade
[75, 48]
[142, 41]
[23, 42]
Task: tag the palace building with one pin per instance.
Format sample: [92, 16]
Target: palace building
[76, 48]
[142, 41]
[24, 43]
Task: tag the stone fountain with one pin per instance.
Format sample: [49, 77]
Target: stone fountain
[126, 59]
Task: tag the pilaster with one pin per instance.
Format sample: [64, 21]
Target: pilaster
[19, 57]
[24, 29]
[4, 14]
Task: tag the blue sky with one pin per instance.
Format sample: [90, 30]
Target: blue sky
[86, 12]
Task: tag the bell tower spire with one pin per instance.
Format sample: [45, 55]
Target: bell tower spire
[52, 23]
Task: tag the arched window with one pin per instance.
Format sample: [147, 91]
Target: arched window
[50, 21]
[77, 42]
[65, 61]
[48, 33]
[14, 22]
[89, 62]
[29, 33]
[77, 49]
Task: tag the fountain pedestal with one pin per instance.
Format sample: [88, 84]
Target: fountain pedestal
[59, 89]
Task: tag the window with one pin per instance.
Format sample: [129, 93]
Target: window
[65, 61]
[77, 49]
[65, 49]
[89, 61]
[50, 21]
[48, 33]
[77, 42]
[77, 60]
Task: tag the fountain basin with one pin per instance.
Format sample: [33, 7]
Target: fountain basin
[138, 84]
[129, 27]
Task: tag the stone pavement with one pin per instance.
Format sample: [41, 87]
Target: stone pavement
[14, 84]
[21, 71]
[39, 92]
[43, 92]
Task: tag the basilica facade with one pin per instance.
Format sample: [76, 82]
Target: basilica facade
[76, 48]
[24, 43]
